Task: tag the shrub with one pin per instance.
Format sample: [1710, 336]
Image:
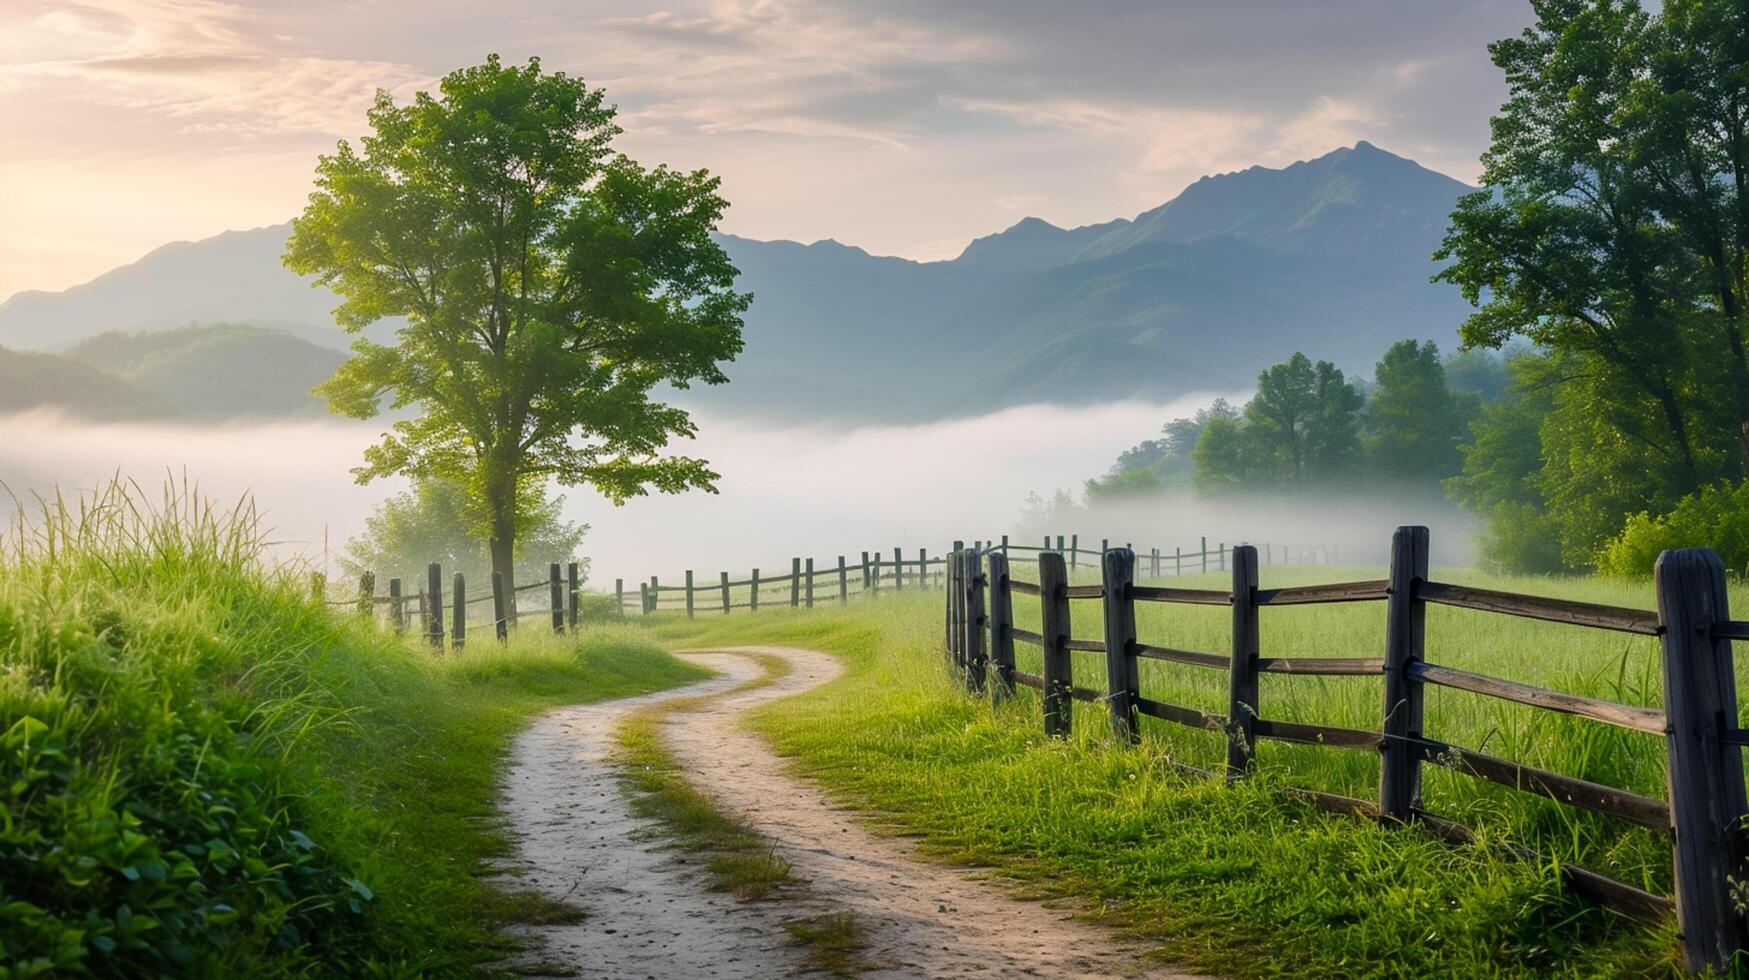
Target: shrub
[1716, 517]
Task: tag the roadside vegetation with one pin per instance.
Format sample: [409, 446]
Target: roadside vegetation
[1250, 881]
[204, 772]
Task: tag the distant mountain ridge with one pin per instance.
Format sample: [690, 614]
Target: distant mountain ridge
[1329, 256]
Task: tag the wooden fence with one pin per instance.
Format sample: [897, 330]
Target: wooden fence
[424, 609]
[1705, 811]
[839, 579]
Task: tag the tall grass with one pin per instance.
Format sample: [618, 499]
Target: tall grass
[203, 771]
[1249, 880]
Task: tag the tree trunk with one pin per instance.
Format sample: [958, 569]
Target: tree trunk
[501, 505]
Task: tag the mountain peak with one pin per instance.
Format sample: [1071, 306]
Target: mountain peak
[1031, 244]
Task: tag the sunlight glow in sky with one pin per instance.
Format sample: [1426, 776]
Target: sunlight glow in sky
[909, 131]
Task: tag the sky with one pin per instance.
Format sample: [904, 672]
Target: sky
[907, 128]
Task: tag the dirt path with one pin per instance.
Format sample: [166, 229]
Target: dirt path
[919, 919]
[648, 913]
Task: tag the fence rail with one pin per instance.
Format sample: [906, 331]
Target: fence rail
[1704, 815]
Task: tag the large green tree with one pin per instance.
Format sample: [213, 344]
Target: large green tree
[1305, 420]
[548, 285]
[1613, 232]
[1414, 421]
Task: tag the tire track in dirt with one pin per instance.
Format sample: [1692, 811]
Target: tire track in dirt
[919, 919]
[648, 914]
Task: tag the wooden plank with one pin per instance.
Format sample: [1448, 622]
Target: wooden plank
[1213, 661]
[1027, 636]
[1086, 646]
[1731, 631]
[1621, 618]
[1705, 771]
[1087, 694]
[1188, 717]
[1643, 810]
[1322, 666]
[1363, 809]
[1649, 720]
[1405, 637]
[1334, 592]
[1308, 734]
[1058, 671]
[1024, 588]
[1122, 677]
[1195, 597]
[1033, 681]
[1242, 672]
[1086, 591]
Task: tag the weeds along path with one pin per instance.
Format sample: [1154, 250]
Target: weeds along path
[646, 911]
[917, 919]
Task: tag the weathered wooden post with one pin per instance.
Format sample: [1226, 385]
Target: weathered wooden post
[689, 593]
[1122, 675]
[753, 595]
[952, 588]
[810, 589]
[1177, 560]
[874, 579]
[898, 569]
[1154, 563]
[655, 595]
[434, 588]
[1707, 802]
[1059, 543]
[500, 623]
[1242, 670]
[974, 571]
[367, 593]
[1205, 553]
[397, 606]
[574, 594]
[1001, 627]
[619, 596]
[725, 586]
[1004, 544]
[1405, 635]
[1075, 551]
[556, 596]
[865, 584]
[458, 629]
[1059, 677]
[1221, 556]
[643, 598]
[922, 568]
[843, 582]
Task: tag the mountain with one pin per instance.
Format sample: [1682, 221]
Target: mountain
[204, 373]
[1329, 256]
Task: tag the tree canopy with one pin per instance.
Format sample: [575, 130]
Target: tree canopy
[549, 285]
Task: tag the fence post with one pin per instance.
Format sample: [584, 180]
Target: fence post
[1154, 563]
[753, 597]
[952, 574]
[1221, 556]
[898, 569]
[458, 629]
[434, 586]
[1706, 772]
[843, 582]
[1075, 551]
[1004, 545]
[810, 593]
[689, 593]
[1123, 681]
[574, 597]
[1059, 542]
[795, 582]
[1204, 548]
[556, 596]
[397, 606]
[1242, 671]
[367, 592]
[655, 595]
[1053, 584]
[1001, 627]
[500, 624]
[923, 568]
[974, 621]
[725, 585]
[643, 598]
[865, 585]
[1405, 633]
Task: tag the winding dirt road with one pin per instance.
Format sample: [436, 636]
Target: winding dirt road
[648, 916]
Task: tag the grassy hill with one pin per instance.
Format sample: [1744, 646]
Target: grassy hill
[29, 379]
[217, 371]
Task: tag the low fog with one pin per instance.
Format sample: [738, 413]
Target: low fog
[805, 490]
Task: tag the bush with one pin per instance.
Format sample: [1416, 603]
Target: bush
[1520, 538]
[593, 607]
[1716, 517]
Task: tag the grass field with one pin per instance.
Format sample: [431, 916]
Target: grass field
[1249, 881]
[202, 773]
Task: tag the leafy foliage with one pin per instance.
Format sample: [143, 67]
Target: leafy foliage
[549, 284]
[438, 521]
[1716, 517]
